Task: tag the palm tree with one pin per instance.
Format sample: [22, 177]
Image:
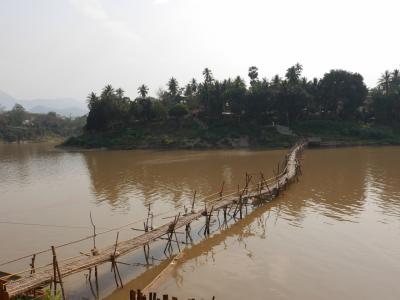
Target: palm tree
[208, 77]
[107, 91]
[193, 85]
[92, 100]
[396, 78]
[120, 93]
[293, 73]
[143, 90]
[384, 81]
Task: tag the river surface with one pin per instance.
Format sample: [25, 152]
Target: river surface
[333, 235]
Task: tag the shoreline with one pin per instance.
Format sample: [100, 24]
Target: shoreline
[323, 145]
[332, 143]
[243, 136]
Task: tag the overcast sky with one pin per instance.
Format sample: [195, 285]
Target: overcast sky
[67, 48]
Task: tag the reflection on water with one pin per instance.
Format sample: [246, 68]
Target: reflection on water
[170, 176]
[335, 234]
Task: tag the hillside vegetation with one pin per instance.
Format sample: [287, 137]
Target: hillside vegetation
[18, 125]
[228, 113]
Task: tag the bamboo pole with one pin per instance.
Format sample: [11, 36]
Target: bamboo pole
[57, 273]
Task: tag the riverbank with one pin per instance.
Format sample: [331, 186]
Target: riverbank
[46, 139]
[189, 135]
[194, 135]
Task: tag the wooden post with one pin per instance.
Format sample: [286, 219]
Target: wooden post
[149, 220]
[4, 295]
[176, 237]
[96, 282]
[57, 273]
[146, 247]
[54, 275]
[208, 221]
[95, 292]
[269, 191]
[94, 233]
[114, 265]
[132, 295]
[240, 207]
[194, 198]
[187, 231]
[33, 264]
[222, 190]
[170, 235]
[3, 292]
[262, 180]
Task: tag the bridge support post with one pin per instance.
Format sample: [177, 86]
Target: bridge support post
[57, 274]
[146, 250]
[114, 265]
[208, 221]
[188, 236]
[32, 264]
[170, 235]
[3, 292]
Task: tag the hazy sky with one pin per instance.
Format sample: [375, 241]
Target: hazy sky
[67, 48]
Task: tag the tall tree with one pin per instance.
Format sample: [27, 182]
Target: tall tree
[193, 85]
[143, 91]
[205, 90]
[107, 91]
[395, 82]
[384, 81]
[120, 93]
[92, 100]
[173, 87]
[342, 93]
[293, 73]
[253, 74]
[208, 76]
[276, 80]
[17, 115]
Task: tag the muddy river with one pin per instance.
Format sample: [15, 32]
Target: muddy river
[333, 235]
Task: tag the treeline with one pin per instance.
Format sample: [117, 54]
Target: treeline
[338, 96]
[18, 124]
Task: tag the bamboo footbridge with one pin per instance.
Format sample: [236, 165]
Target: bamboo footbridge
[254, 194]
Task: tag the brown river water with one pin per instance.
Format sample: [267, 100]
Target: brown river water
[333, 235]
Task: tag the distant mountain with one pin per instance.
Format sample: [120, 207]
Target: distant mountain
[62, 106]
[6, 100]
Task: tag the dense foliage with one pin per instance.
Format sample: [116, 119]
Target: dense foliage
[339, 95]
[20, 125]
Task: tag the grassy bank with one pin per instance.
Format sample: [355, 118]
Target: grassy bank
[337, 133]
[191, 134]
[188, 135]
[25, 134]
